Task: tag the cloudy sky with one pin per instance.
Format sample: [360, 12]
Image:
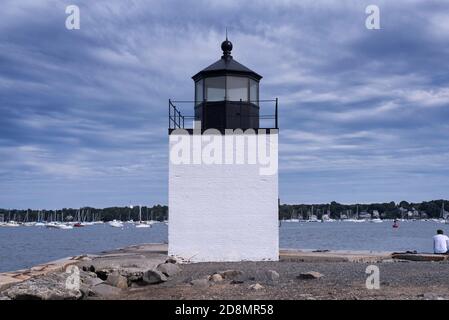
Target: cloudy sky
[83, 113]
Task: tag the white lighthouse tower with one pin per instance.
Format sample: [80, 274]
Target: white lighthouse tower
[223, 170]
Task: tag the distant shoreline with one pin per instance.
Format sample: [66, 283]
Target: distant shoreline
[432, 209]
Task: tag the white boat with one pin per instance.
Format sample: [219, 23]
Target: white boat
[140, 224]
[355, 220]
[64, 226]
[143, 225]
[57, 225]
[326, 217]
[39, 224]
[116, 224]
[29, 224]
[11, 224]
[51, 224]
[376, 220]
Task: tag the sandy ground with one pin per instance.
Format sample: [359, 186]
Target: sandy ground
[341, 280]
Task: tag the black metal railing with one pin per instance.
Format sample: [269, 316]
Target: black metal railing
[176, 120]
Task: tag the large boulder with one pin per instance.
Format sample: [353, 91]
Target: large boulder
[105, 291]
[49, 287]
[88, 280]
[131, 266]
[216, 277]
[154, 277]
[267, 276]
[117, 280]
[172, 259]
[169, 269]
[231, 274]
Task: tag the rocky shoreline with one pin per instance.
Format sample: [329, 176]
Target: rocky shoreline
[146, 272]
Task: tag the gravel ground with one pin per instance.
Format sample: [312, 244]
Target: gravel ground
[398, 280]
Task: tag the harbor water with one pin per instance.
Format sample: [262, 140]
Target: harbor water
[24, 247]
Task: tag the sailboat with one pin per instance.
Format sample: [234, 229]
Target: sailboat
[351, 218]
[39, 222]
[151, 221]
[11, 223]
[116, 224]
[26, 222]
[357, 219]
[58, 225]
[326, 217]
[313, 217]
[444, 215]
[64, 226]
[78, 223]
[140, 224]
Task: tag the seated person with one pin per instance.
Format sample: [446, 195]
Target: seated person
[440, 243]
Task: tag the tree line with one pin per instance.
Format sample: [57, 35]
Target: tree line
[388, 210]
[157, 212]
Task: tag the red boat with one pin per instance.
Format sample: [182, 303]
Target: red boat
[78, 225]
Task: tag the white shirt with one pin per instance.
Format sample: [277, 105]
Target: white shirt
[440, 243]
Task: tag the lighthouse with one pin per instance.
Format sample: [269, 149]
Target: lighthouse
[223, 168]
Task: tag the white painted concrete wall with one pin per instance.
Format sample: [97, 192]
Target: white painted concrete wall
[223, 212]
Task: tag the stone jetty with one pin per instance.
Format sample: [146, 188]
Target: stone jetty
[146, 272]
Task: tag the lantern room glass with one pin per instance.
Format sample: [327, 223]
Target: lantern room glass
[215, 88]
[254, 91]
[227, 88]
[236, 88]
[199, 92]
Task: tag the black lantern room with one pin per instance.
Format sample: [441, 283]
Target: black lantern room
[227, 94]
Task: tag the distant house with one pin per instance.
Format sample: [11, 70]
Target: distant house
[364, 215]
[375, 214]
